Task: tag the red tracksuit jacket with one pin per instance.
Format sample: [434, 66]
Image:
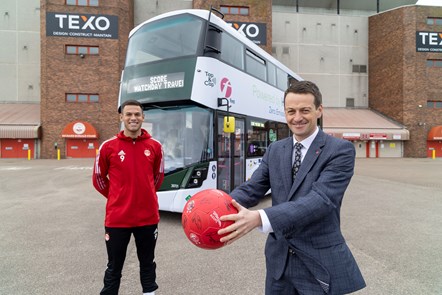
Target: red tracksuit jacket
[128, 172]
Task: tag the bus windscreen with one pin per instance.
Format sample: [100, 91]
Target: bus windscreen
[164, 39]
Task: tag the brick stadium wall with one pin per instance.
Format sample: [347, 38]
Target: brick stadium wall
[399, 80]
[61, 74]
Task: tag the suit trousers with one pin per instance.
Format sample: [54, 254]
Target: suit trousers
[117, 240]
[296, 280]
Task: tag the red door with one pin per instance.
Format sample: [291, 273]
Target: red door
[17, 148]
[81, 148]
[434, 145]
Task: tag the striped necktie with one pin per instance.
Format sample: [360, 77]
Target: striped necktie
[297, 161]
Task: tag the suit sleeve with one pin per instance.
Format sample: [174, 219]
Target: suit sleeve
[322, 197]
[159, 169]
[100, 172]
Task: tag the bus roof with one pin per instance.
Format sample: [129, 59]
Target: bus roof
[204, 14]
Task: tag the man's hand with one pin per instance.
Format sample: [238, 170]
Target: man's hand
[244, 221]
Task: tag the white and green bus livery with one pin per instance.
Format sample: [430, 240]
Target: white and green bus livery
[193, 73]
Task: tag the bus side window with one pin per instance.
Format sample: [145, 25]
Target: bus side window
[255, 65]
[281, 79]
[232, 51]
[271, 73]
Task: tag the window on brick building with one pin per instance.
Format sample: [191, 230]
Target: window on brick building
[349, 102]
[359, 68]
[241, 10]
[434, 21]
[434, 104]
[79, 49]
[82, 2]
[434, 63]
[82, 97]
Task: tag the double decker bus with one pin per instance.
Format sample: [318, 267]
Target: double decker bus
[212, 97]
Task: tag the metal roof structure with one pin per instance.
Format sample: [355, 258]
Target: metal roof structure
[20, 120]
[344, 120]
[367, 5]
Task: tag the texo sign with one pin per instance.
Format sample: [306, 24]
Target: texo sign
[428, 42]
[256, 32]
[81, 25]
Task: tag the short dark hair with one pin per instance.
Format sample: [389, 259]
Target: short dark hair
[304, 87]
[130, 102]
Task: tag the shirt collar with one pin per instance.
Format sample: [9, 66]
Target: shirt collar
[306, 143]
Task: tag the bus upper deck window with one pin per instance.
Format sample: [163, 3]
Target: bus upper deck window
[163, 39]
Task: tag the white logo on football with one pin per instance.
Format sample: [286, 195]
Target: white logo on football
[215, 218]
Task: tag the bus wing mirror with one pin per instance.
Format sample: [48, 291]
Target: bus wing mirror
[229, 124]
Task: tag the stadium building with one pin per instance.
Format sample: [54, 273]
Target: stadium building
[377, 62]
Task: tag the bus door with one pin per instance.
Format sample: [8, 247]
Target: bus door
[231, 155]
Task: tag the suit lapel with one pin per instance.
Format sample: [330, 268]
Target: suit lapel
[309, 160]
[286, 163]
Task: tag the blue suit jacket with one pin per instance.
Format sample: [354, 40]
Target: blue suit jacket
[305, 214]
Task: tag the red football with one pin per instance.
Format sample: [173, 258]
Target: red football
[201, 217]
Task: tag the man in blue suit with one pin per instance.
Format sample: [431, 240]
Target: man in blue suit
[306, 253]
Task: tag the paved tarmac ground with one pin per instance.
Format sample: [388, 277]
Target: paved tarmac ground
[52, 236]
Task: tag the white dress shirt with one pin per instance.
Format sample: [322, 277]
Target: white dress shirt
[306, 143]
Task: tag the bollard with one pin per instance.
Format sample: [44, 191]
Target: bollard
[58, 154]
[29, 155]
[434, 154]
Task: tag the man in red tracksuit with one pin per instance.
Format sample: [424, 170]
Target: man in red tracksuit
[128, 171]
